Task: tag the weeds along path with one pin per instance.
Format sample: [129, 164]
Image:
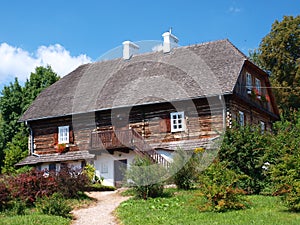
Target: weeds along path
[100, 213]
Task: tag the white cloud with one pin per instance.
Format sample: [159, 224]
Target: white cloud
[16, 62]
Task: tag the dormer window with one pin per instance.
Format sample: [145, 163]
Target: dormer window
[177, 121]
[248, 81]
[63, 135]
[258, 86]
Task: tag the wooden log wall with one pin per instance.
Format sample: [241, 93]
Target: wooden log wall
[151, 121]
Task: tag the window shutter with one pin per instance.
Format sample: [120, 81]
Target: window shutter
[55, 138]
[71, 136]
[165, 125]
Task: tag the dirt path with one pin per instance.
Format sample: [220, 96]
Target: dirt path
[101, 212]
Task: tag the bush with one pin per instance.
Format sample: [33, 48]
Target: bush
[71, 181]
[90, 171]
[243, 150]
[184, 170]
[219, 186]
[4, 195]
[146, 178]
[54, 205]
[31, 185]
[99, 187]
[285, 166]
[17, 207]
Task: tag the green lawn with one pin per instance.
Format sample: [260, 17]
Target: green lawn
[182, 209]
[34, 219]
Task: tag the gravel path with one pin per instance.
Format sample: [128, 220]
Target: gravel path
[102, 212]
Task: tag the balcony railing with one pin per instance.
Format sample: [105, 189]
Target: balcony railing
[126, 139]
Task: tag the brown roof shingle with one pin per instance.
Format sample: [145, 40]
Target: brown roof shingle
[186, 72]
[46, 158]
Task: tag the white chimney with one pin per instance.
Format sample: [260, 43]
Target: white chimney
[129, 49]
[170, 41]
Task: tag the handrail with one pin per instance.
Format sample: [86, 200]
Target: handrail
[110, 139]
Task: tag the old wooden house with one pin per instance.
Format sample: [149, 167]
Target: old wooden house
[150, 104]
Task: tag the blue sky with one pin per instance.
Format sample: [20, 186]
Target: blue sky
[66, 33]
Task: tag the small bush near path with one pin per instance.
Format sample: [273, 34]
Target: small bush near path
[54, 205]
[146, 179]
[182, 208]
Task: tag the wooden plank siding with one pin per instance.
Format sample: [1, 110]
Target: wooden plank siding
[151, 121]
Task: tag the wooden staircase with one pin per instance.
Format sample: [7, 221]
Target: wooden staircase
[142, 148]
[126, 139]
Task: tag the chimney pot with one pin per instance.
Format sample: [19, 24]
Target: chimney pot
[170, 41]
[129, 49]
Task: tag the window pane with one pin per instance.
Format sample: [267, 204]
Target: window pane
[174, 117]
[175, 126]
[179, 126]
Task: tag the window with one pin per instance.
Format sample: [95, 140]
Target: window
[104, 168]
[63, 135]
[52, 167]
[258, 86]
[241, 119]
[262, 126]
[177, 121]
[248, 81]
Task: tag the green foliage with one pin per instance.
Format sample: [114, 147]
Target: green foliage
[14, 101]
[14, 152]
[99, 187]
[243, 150]
[146, 178]
[54, 205]
[284, 154]
[184, 169]
[90, 172]
[220, 187]
[17, 207]
[280, 55]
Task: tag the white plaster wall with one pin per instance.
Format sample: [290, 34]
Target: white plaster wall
[108, 159]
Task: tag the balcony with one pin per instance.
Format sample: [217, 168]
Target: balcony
[125, 139]
[112, 139]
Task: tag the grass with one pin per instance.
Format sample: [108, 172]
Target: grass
[182, 208]
[34, 219]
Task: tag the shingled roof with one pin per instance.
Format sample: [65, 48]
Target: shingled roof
[46, 158]
[186, 72]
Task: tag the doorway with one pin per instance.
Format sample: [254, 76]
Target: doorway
[120, 167]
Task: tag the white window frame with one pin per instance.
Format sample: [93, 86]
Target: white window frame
[241, 118]
[63, 135]
[262, 126]
[248, 81]
[258, 85]
[177, 121]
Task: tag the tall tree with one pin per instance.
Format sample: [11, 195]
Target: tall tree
[279, 54]
[14, 101]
